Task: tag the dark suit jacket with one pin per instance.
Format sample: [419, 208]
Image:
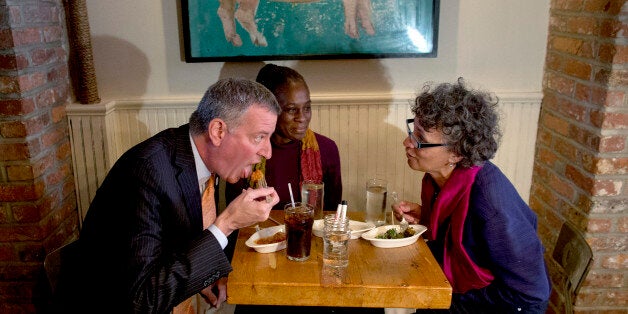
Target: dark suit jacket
[143, 247]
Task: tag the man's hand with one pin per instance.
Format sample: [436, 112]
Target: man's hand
[247, 209]
[219, 287]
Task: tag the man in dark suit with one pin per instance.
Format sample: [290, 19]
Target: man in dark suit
[147, 244]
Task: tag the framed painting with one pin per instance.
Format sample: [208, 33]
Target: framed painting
[247, 30]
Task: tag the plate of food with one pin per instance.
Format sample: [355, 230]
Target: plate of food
[268, 240]
[390, 236]
[357, 228]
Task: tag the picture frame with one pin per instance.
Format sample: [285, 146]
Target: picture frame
[251, 30]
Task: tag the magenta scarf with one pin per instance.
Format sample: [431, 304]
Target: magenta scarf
[453, 201]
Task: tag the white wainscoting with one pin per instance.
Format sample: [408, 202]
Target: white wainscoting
[368, 129]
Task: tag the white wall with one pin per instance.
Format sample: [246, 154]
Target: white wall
[495, 44]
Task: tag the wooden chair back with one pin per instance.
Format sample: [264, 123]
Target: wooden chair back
[574, 255]
[54, 262]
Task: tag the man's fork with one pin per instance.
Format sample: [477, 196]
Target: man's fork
[262, 183]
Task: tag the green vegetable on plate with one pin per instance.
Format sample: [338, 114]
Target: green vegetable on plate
[392, 233]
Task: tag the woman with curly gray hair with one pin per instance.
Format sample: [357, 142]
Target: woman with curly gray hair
[480, 231]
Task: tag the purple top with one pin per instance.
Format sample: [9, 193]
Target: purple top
[285, 167]
[500, 234]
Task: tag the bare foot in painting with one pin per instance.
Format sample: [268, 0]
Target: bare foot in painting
[245, 15]
[354, 10]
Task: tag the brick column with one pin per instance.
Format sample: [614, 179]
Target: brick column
[581, 162]
[37, 200]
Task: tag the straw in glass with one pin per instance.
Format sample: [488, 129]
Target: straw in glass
[291, 196]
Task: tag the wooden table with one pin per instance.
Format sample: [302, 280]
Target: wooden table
[405, 277]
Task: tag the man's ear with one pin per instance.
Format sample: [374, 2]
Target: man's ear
[217, 129]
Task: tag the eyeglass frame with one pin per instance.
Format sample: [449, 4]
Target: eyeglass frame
[418, 144]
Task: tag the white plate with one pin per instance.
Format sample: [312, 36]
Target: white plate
[266, 232]
[357, 228]
[390, 243]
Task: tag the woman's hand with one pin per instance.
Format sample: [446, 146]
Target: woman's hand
[411, 211]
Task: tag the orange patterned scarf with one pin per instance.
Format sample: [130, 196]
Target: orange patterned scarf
[311, 166]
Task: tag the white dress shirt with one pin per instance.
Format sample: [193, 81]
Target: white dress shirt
[203, 175]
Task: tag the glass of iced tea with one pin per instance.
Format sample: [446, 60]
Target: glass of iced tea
[298, 220]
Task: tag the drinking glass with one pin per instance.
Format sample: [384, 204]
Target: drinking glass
[376, 190]
[313, 192]
[336, 235]
[299, 220]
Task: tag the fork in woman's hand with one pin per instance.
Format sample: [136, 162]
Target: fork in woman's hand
[403, 223]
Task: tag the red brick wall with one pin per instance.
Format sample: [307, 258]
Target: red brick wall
[580, 170]
[37, 200]
[581, 163]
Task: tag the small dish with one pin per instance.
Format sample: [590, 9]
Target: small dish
[391, 243]
[263, 233]
[357, 228]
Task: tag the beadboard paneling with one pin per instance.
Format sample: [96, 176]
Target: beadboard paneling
[368, 129]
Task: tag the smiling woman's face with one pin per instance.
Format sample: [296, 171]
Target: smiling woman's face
[296, 112]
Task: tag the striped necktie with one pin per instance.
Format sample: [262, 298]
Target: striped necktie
[208, 203]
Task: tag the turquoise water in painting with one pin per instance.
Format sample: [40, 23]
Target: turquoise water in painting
[315, 30]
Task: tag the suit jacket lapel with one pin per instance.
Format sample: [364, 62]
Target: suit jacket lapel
[186, 176]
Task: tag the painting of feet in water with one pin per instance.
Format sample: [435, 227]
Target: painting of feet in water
[247, 30]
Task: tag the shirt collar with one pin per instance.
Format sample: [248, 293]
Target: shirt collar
[202, 173]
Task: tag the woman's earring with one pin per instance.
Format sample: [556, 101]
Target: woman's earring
[451, 164]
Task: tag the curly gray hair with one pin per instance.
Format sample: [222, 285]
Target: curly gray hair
[467, 118]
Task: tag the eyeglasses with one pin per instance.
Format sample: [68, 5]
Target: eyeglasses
[418, 144]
